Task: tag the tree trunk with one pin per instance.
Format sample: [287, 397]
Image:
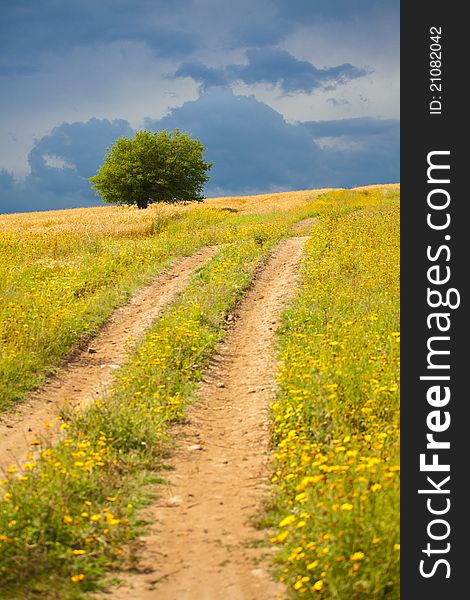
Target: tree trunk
[142, 203]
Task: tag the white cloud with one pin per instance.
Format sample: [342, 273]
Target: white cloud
[57, 162]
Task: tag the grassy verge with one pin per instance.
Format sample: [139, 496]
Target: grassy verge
[336, 419]
[69, 513]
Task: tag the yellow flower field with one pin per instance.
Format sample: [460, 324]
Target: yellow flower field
[336, 420]
[69, 512]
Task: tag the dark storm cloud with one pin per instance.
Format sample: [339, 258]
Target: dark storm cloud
[79, 149]
[6, 181]
[35, 194]
[306, 11]
[256, 150]
[81, 145]
[273, 66]
[30, 29]
[206, 76]
[363, 126]
[253, 147]
[359, 150]
[33, 29]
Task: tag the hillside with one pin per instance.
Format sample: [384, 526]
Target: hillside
[244, 351]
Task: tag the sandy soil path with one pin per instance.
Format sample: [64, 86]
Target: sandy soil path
[202, 544]
[88, 375]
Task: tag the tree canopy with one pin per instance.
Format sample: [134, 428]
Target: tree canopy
[165, 166]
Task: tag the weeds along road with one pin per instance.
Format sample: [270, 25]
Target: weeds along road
[90, 372]
[203, 542]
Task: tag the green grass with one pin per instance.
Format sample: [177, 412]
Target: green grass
[336, 418]
[66, 518]
[61, 278]
[71, 513]
[60, 287]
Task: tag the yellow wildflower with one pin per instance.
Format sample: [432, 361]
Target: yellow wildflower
[287, 521]
[357, 556]
[318, 586]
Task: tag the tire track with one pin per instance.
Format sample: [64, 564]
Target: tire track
[90, 372]
[202, 544]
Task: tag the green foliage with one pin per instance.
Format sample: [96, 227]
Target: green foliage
[165, 166]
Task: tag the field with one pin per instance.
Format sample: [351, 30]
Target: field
[73, 503]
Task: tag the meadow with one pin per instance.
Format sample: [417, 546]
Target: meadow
[63, 272]
[336, 420]
[71, 510]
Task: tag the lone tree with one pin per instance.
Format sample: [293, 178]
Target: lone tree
[165, 166]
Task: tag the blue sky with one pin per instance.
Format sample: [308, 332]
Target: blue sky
[285, 94]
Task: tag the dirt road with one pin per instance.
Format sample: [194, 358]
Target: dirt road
[202, 543]
[90, 373]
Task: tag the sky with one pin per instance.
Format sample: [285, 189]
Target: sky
[284, 94]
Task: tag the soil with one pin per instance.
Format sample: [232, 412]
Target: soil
[202, 542]
[90, 372]
[305, 226]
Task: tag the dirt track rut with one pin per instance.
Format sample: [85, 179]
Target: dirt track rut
[90, 373]
[202, 544]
